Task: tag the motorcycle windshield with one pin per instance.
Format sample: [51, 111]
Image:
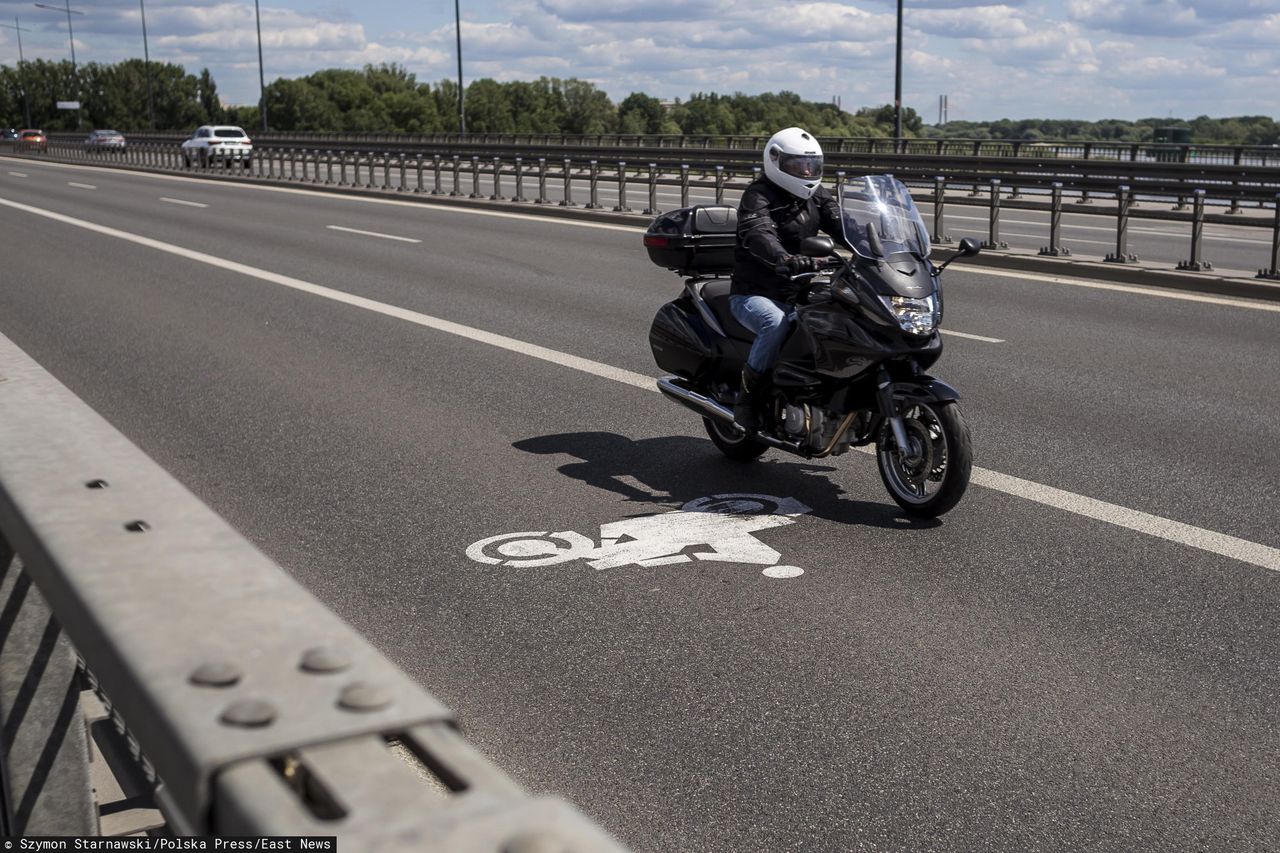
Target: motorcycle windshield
[880, 219]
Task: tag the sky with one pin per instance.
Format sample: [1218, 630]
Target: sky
[1086, 59]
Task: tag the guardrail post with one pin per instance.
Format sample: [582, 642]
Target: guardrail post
[328, 168]
[684, 180]
[1274, 272]
[386, 170]
[593, 200]
[457, 176]
[1182, 203]
[371, 160]
[839, 182]
[993, 237]
[567, 201]
[542, 182]
[475, 178]
[342, 168]
[519, 196]
[404, 182]
[436, 189]
[417, 168]
[652, 209]
[293, 165]
[940, 235]
[315, 164]
[719, 184]
[1196, 263]
[622, 206]
[497, 180]
[1055, 248]
[1122, 255]
[1084, 194]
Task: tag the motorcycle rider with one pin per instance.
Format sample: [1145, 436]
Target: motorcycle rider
[776, 213]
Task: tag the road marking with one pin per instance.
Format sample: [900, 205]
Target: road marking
[18, 174]
[1178, 532]
[1185, 296]
[182, 202]
[983, 338]
[81, 186]
[372, 234]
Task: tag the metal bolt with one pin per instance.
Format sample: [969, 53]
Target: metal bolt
[324, 659]
[249, 713]
[216, 674]
[535, 843]
[364, 697]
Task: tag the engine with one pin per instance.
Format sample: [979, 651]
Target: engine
[815, 427]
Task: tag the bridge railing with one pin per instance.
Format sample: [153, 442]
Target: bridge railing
[254, 709]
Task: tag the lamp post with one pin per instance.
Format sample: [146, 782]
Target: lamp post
[262, 82]
[146, 59]
[462, 116]
[71, 36]
[897, 87]
[22, 74]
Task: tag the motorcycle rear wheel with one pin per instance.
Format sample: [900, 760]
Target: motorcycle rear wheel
[935, 482]
[732, 442]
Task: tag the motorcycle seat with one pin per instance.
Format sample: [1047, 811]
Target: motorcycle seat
[716, 295]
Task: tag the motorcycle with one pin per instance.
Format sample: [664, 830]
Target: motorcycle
[853, 370]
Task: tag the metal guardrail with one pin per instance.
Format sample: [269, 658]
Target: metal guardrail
[1134, 152]
[437, 174]
[261, 712]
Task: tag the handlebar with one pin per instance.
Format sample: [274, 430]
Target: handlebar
[824, 265]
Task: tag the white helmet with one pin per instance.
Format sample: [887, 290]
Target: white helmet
[793, 161]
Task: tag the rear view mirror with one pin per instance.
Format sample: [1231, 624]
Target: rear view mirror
[969, 247]
[817, 247]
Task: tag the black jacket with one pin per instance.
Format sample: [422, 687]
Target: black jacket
[771, 224]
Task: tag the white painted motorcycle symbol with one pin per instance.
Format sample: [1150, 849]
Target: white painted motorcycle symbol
[720, 528]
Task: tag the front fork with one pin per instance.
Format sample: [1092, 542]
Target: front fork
[889, 411]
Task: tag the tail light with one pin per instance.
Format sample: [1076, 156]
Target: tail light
[656, 241]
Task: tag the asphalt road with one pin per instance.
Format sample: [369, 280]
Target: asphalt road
[1025, 674]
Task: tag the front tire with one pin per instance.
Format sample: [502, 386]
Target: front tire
[733, 443]
[933, 482]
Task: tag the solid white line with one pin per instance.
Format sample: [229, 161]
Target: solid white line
[372, 234]
[81, 186]
[18, 174]
[1185, 296]
[972, 337]
[181, 201]
[1178, 532]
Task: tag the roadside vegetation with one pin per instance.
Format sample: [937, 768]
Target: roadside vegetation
[387, 98]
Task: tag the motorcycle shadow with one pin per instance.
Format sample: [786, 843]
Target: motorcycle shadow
[672, 470]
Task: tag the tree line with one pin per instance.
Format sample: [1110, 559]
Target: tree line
[388, 98]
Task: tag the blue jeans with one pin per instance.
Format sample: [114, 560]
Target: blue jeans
[769, 320]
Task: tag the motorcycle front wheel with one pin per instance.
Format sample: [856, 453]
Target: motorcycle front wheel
[933, 479]
[733, 442]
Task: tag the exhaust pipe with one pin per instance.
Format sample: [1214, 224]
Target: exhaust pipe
[676, 389]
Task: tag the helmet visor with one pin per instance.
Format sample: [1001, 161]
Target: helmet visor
[805, 166]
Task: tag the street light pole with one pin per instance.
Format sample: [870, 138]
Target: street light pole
[897, 88]
[146, 58]
[71, 36]
[22, 74]
[462, 116]
[262, 80]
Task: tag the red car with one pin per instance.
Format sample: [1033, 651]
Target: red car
[32, 140]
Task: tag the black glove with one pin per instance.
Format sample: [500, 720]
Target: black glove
[797, 264]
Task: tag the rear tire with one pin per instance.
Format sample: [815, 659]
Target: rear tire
[951, 450]
[732, 443]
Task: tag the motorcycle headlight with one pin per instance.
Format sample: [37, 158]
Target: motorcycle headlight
[916, 316]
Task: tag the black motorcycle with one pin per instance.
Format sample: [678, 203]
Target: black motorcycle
[852, 371]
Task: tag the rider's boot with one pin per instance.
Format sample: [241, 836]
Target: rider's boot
[746, 412]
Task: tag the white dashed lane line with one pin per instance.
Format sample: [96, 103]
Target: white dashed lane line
[372, 234]
[182, 202]
[81, 186]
